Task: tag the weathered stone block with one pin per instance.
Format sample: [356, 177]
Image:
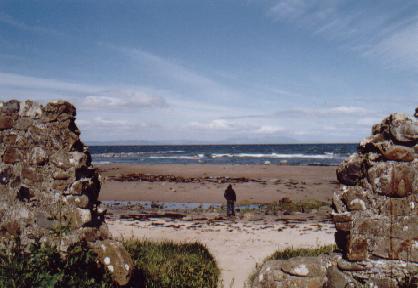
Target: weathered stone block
[58, 111]
[9, 139]
[6, 122]
[116, 259]
[399, 206]
[393, 179]
[9, 107]
[12, 155]
[351, 171]
[23, 123]
[38, 156]
[5, 174]
[402, 129]
[31, 176]
[345, 265]
[338, 279]
[80, 201]
[355, 198]
[397, 153]
[343, 226]
[357, 248]
[304, 267]
[38, 135]
[61, 175]
[369, 144]
[30, 109]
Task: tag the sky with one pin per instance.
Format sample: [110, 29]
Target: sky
[186, 71]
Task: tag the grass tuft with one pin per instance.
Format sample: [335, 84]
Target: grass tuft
[168, 264]
[292, 252]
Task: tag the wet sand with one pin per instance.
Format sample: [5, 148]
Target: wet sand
[206, 183]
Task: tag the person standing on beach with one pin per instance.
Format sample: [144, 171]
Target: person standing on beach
[230, 197]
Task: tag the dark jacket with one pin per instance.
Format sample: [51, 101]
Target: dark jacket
[230, 194]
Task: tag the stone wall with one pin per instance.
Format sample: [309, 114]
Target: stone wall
[376, 216]
[376, 213]
[48, 187]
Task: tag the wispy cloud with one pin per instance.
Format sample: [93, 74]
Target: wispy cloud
[122, 98]
[91, 97]
[323, 112]
[216, 124]
[385, 31]
[268, 129]
[19, 81]
[103, 123]
[297, 9]
[177, 75]
[335, 111]
[6, 19]
[400, 47]
[237, 127]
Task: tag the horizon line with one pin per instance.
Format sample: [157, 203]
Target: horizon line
[222, 144]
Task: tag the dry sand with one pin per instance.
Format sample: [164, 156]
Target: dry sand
[237, 247]
[294, 182]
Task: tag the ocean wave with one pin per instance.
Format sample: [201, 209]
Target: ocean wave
[326, 155]
[159, 155]
[101, 162]
[148, 155]
[117, 154]
[132, 154]
[174, 157]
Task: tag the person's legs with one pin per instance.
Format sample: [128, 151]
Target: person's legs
[229, 208]
[233, 208]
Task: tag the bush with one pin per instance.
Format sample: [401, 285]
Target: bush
[42, 266]
[167, 264]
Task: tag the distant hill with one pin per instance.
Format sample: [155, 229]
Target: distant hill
[229, 141]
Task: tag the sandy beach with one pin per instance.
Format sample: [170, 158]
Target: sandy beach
[238, 244]
[206, 183]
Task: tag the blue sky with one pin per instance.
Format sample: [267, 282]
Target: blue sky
[214, 71]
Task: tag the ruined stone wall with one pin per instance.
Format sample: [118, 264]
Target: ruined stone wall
[376, 216]
[48, 187]
[376, 213]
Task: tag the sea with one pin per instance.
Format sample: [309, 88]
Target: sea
[290, 154]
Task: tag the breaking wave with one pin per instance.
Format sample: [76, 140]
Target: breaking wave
[277, 155]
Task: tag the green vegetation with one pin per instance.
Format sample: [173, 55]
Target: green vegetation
[42, 266]
[167, 264]
[290, 253]
[286, 204]
[158, 264]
